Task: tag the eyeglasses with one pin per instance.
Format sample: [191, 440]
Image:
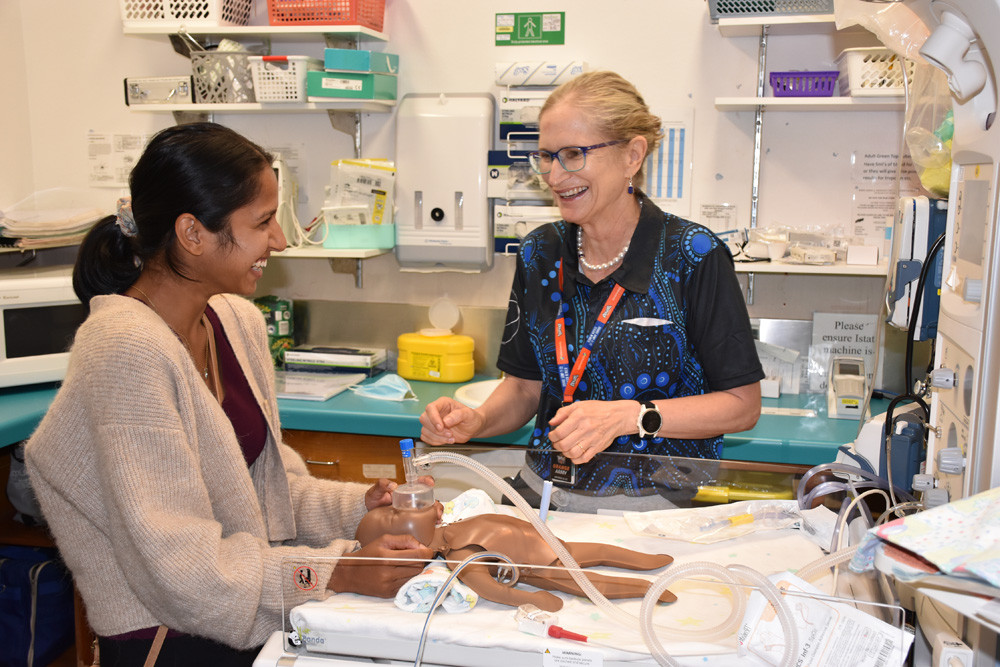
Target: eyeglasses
[572, 158]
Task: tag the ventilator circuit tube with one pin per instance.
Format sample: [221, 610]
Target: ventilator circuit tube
[729, 576]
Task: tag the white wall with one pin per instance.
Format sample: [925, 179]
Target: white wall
[15, 140]
[73, 56]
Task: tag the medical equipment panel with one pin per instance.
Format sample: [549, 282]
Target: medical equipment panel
[920, 221]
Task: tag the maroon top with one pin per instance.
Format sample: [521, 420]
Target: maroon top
[238, 401]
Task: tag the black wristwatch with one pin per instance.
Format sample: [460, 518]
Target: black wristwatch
[650, 420]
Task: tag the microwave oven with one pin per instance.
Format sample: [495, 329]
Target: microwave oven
[39, 315]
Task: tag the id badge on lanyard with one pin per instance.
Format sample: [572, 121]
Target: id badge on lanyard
[564, 470]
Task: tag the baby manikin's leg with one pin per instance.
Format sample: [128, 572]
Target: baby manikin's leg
[590, 554]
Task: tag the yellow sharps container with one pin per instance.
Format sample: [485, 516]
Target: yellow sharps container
[437, 354]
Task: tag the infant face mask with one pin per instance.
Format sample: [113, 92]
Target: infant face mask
[389, 387]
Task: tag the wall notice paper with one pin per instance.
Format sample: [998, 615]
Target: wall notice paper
[668, 168]
[879, 181]
[844, 334]
[111, 156]
[720, 218]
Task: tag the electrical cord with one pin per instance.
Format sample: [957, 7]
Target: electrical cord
[295, 235]
[911, 328]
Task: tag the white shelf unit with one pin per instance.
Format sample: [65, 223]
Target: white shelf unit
[809, 103]
[362, 106]
[762, 27]
[839, 269]
[344, 114]
[798, 24]
[288, 33]
[329, 253]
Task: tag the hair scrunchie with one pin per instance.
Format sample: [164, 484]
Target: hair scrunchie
[124, 218]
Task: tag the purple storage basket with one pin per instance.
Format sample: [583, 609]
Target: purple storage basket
[803, 84]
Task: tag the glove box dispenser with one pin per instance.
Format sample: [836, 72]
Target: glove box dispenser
[443, 221]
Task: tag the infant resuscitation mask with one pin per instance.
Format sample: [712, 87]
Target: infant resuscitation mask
[413, 495]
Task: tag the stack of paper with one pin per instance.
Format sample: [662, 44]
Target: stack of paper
[314, 386]
[37, 226]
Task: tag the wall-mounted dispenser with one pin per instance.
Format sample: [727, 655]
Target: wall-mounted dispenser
[443, 222]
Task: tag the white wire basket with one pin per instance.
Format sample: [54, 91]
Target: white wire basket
[873, 72]
[222, 77]
[281, 78]
[189, 12]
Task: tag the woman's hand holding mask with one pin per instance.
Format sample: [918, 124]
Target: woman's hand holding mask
[380, 578]
[380, 492]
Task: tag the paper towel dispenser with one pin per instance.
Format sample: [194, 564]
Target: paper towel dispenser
[443, 222]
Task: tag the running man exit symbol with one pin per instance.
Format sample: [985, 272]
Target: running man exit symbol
[528, 26]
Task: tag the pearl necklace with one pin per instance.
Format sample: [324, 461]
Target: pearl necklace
[187, 344]
[596, 267]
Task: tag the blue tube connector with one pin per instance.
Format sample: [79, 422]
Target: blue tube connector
[412, 494]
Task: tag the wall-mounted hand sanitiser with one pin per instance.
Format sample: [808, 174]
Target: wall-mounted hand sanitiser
[443, 220]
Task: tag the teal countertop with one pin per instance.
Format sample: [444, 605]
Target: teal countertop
[775, 439]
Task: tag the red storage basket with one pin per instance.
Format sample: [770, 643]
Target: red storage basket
[366, 13]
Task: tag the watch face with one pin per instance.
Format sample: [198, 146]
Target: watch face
[651, 421]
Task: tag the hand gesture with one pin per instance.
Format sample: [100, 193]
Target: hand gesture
[584, 429]
[446, 422]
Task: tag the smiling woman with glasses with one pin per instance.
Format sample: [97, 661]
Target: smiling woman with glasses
[626, 331]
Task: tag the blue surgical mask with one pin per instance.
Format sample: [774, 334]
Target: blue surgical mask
[389, 387]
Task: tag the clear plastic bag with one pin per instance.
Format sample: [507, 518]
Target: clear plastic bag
[929, 129]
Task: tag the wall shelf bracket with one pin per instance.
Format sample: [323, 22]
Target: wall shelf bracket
[184, 117]
[348, 122]
[347, 265]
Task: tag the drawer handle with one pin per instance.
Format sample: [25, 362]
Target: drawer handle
[323, 463]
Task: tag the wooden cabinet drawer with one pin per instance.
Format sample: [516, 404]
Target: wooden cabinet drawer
[346, 456]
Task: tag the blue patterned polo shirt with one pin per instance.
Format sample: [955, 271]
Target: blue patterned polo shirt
[680, 329]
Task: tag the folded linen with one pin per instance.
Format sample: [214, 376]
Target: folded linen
[418, 594]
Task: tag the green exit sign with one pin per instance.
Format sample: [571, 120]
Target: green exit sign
[530, 28]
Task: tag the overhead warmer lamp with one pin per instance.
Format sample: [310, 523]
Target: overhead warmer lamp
[951, 48]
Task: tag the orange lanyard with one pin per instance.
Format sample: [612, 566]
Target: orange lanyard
[571, 378]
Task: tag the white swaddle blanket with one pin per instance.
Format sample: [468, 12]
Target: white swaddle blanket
[418, 594]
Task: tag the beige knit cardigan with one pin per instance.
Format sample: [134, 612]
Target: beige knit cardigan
[144, 485]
